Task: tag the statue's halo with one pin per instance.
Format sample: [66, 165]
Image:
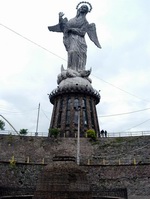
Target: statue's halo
[85, 2]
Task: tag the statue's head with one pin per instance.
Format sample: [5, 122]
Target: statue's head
[84, 7]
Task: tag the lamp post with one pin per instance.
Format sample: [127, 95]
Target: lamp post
[36, 133]
[78, 137]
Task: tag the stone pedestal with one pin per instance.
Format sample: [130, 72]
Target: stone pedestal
[63, 179]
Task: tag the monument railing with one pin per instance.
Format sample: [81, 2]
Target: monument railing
[84, 161]
[101, 160]
[109, 134]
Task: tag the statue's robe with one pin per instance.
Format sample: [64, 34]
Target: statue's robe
[74, 32]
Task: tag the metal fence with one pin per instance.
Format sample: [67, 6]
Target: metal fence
[109, 134]
[128, 134]
[39, 134]
[95, 160]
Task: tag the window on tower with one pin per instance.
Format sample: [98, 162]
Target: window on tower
[68, 103]
[68, 118]
[61, 102]
[76, 117]
[76, 103]
[84, 111]
[92, 115]
[59, 119]
[85, 117]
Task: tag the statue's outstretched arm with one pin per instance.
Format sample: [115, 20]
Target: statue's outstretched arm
[55, 28]
[91, 31]
[61, 25]
[62, 21]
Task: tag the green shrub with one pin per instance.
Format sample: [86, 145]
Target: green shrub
[23, 131]
[91, 134]
[53, 132]
[2, 125]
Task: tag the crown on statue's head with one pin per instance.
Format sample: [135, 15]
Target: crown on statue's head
[85, 2]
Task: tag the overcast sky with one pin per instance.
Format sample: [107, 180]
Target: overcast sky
[31, 58]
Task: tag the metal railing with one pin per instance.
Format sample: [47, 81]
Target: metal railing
[109, 134]
[128, 134]
[134, 160]
[39, 134]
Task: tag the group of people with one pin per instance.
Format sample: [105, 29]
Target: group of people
[103, 133]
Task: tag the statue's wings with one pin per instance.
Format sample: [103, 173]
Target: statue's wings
[91, 31]
[55, 28]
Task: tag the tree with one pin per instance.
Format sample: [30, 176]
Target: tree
[91, 134]
[2, 124]
[53, 132]
[23, 131]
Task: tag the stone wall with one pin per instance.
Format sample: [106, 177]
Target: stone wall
[109, 150]
[135, 178]
[109, 162]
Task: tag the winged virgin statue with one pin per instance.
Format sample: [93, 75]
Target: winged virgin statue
[74, 31]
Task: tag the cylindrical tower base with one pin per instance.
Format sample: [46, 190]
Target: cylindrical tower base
[73, 99]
